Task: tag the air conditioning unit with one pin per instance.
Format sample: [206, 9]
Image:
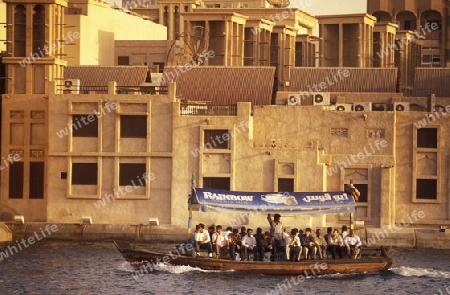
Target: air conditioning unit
[343, 107]
[72, 86]
[379, 107]
[294, 99]
[401, 106]
[362, 106]
[321, 99]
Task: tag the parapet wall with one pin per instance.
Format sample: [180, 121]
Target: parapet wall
[140, 233]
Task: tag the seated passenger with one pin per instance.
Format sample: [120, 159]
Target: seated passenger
[321, 245]
[353, 243]
[308, 244]
[293, 247]
[328, 234]
[243, 232]
[265, 245]
[335, 244]
[344, 232]
[235, 244]
[248, 245]
[202, 240]
[220, 243]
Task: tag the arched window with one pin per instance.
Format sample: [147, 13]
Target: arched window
[406, 20]
[431, 25]
[186, 8]
[19, 30]
[382, 16]
[39, 30]
[177, 23]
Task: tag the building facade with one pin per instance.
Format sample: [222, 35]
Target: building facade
[108, 150]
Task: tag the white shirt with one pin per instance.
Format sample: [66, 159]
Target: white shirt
[221, 240]
[248, 241]
[294, 241]
[202, 237]
[344, 234]
[349, 240]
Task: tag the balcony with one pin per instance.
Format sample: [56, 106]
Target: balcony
[206, 109]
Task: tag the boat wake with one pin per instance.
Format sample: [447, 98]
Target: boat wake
[180, 269]
[126, 267]
[420, 272]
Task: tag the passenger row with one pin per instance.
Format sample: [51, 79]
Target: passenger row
[277, 244]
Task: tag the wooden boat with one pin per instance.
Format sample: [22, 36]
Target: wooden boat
[366, 264]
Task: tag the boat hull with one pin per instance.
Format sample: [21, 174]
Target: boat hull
[281, 268]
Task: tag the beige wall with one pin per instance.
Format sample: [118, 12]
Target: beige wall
[311, 145]
[67, 202]
[100, 28]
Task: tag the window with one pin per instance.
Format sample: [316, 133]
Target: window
[363, 189]
[133, 126]
[132, 174]
[39, 30]
[216, 183]
[36, 180]
[84, 125]
[177, 23]
[427, 138]
[166, 17]
[426, 189]
[19, 30]
[426, 165]
[160, 66]
[285, 184]
[16, 180]
[123, 60]
[216, 139]
[84, 173]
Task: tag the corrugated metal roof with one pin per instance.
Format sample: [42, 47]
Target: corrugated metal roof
[100, 75]
[432, 80]
[334, 80]
[223, 85]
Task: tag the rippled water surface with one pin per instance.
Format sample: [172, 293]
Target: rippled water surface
[50, 267]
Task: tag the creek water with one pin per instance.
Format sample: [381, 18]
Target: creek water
[62, 267]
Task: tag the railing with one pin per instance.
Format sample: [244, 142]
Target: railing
[85, 89]
[434, 35]
[199, 109]
[141, 89]
[119, 89]
[93, 89]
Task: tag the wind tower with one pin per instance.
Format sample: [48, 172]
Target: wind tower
[35, 42]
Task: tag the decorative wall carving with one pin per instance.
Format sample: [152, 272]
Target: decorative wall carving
[37, 153]
[340, 132]
[17, 114]
[376, 133]
[37, 114]
[16, 152]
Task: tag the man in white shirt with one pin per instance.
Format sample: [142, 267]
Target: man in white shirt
[344, 231]
[248, 245]
[220, 242]
[353, 243]
[202, 240]
[293, 247]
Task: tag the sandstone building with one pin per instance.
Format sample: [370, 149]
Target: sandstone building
[84, 133]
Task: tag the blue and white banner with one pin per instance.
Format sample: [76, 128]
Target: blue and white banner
[270, 202]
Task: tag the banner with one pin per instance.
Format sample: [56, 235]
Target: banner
[270, 202]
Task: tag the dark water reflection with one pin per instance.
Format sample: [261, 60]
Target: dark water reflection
[50, 267]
